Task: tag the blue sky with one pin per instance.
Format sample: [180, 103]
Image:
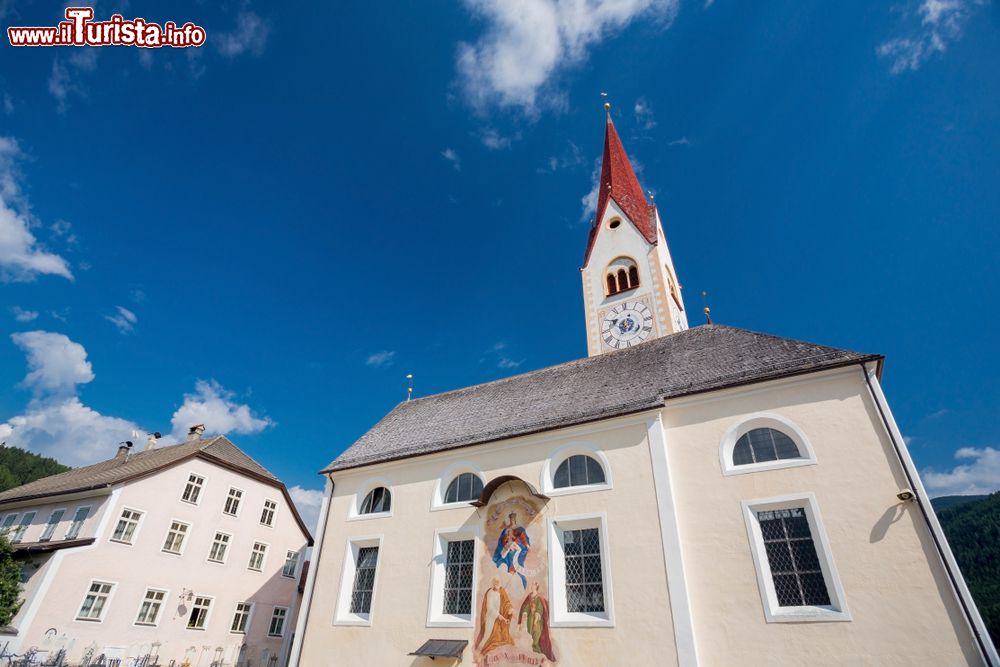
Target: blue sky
[268, 233]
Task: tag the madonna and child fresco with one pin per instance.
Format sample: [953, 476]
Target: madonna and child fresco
[513, 622]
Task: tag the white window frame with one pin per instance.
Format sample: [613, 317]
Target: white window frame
[369, 485]
[76, 510]
[201, 492]
[295, 570]
[559, 616]
[22, 528]
[239, 505]
[837, 610]
[5, 529]
[229, 548]
[138, 525]
[555, 459]
[208, 614]
[441, 486]
[436, 618]
[246, 627]
[274, 512]
[159, 614]
[104, 609]
[263, 561]
[807, 456]
[49, 524]
[343, 615]
[284, 621]
[184, 537]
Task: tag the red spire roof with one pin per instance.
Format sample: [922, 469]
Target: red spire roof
[618, 182]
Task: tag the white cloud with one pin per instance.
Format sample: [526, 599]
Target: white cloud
[380, 359]
[56, 364]
[249, 35]
[683, 141]
[527, 43]
[980, 475]
[644, 114]
[451, 156]
[65, 80]
[56, 423]
[570, 158]
[8, 104]
[589, 200]
[509, 363]
[68, 431]
[124, 319]
[495, 141]
[22, 258]
[22, 315]
[934, 25]
[308, 502]
[214, 406]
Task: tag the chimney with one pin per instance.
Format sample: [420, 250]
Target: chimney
[123, 449]
[194, 433]
[151, 442]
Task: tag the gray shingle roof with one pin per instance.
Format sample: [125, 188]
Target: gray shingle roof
[640, 378]
[117, 470]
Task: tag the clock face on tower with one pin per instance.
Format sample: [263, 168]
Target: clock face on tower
[627, 324]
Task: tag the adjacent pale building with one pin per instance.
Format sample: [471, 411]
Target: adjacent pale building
[703, 496]
[190, 552]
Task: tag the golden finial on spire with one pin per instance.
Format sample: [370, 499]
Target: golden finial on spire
[707, 311]
[607, 105]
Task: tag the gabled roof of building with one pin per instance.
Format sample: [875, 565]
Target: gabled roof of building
[702, 359]
[216, 449]
[618, 182]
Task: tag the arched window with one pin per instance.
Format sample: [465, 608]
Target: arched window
[764, 444]
[465, 487]
[621, 275]
[578, 470]
[377, 501]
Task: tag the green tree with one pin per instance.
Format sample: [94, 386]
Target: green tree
[973, 531]
[18, 466]
[10, 582]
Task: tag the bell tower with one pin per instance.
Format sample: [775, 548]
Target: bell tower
[630, 288]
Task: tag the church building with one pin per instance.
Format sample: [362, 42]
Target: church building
[682, 496]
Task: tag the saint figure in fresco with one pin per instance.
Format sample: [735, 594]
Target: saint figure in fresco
[512, 548]
[535, 610]
[495, 615]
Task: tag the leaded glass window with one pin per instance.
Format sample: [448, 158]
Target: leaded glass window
[378, 500]
[465, 487]
[791, 554]
[764, 444]
[584, 574]
[364, 580]
[458, 571]
[578, 470]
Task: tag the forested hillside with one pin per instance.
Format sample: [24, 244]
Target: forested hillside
[18, 467]
[973, 530]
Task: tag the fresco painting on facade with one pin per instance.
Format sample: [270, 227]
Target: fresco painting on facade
[512, 626]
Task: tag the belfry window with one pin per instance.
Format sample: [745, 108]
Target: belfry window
[622, 275]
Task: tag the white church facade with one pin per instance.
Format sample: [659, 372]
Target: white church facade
[702, 496]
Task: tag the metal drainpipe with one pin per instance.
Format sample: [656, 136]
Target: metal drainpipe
[314, 573]
[923, 510]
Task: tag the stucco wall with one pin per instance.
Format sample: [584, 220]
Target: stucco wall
[400, 608]
[143, 564]
[902, 610]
